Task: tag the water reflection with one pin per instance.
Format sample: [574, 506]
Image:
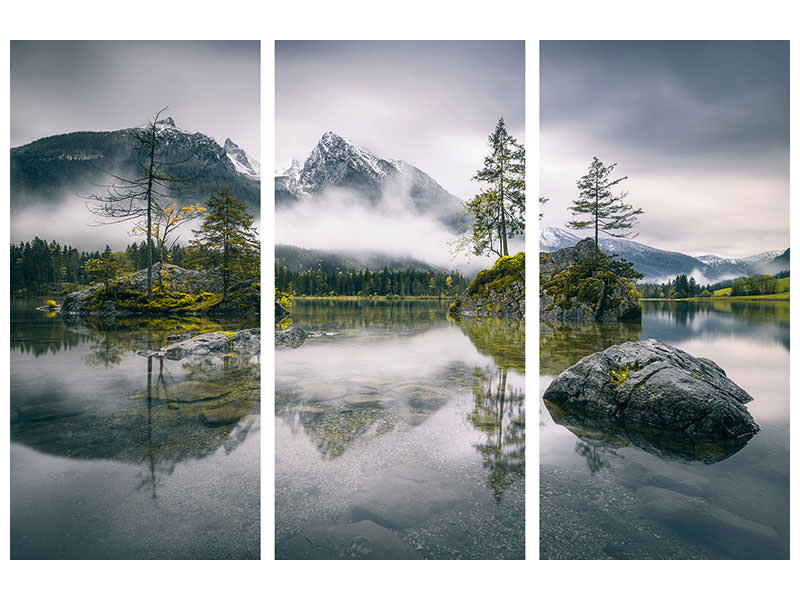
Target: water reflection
[501, 339]
[140, 412]
[561, 345]
[675, 322]
[614, 491]
[399, 434]
[499, 413]
[369, 409]
[338, 314]
[600, 440]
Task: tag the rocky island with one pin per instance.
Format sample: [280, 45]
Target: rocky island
[581, 284]
[495, 292]
[175, 291]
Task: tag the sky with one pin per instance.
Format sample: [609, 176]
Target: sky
[63, 86]
[701, 130]
[431, 104]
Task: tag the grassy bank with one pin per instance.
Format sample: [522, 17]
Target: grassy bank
[781, 296]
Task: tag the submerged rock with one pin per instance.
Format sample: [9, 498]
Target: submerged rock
[579, 284]
[361, 540]
[653, 385]
[732, 533]
[293, 336]
[246, 341]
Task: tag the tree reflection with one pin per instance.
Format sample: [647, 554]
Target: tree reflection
[597, 453]
[499, 412]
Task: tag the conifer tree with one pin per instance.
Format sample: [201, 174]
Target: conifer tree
[607, 213]
[227, 241]
[498, 212]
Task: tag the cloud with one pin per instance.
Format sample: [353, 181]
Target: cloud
[340, 221]
[700, 128]
[401, 100]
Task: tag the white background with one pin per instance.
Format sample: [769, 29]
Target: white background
[409, 19]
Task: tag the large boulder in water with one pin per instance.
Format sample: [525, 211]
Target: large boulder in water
[651, 384]
[580, 284]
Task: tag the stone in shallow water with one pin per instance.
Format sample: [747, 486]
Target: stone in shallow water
[654, 385]
[189, 391]
[402, 497]
[364, 540]
[693, 516]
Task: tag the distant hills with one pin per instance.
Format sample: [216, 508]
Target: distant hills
[51, 169]
[660, 265]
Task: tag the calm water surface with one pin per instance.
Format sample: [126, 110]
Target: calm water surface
[118, 456]
[399, 434]
[605, 495]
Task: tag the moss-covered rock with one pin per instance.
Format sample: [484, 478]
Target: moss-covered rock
[175, 291]
[495, 292]
[580, 284]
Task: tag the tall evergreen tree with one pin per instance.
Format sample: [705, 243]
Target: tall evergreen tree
[607, 213]
[227, 241]
[498, 212]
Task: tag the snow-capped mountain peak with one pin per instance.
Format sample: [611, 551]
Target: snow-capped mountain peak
[337, 164]
[555, 238]
[242, 162]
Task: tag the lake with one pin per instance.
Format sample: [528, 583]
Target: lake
[605, 495]
[399, 434]
[119, 456]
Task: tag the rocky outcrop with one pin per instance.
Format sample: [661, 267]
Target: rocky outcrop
[495, 292]
[247, 341]
[293, 336]
[651, 384]
[578, 284]
[175, 290]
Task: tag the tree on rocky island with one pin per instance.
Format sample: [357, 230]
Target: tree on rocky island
[141, 196]
[102, 269]
[607, 213]
[163, 224]
[227, 241]
[498, 212]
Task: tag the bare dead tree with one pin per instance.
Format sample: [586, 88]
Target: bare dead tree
[143, 196]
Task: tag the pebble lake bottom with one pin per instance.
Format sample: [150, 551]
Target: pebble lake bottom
[399, 434]
[604, 496]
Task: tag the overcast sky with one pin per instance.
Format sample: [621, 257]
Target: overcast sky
[63, 86]
[701, 129]
[432, 104]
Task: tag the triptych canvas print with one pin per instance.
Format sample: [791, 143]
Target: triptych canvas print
[392, 231]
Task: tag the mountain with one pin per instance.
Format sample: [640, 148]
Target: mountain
[336, 164]
[301, 259]
[242, 161]
[73, 164]
[660, 265]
